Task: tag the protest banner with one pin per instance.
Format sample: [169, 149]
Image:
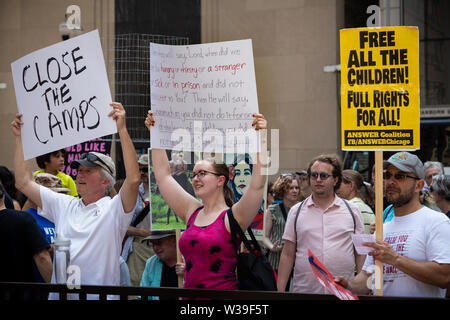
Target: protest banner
[380, 88]
[203, 97]
[326, 279]
[62, 91]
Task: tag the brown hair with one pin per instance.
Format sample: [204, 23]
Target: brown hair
[335, 163]
[363, 191]
[222, 169]
[282, 185]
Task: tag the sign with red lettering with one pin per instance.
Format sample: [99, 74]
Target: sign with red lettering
[63, 93]
[203, 97]
[326, 279]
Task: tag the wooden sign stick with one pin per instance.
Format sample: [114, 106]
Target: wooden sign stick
[378, 218]
[179, 258]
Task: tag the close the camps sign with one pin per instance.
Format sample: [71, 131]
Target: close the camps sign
[62, 91]
[380, 88]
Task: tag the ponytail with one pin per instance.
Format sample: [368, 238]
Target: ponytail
[228, 195]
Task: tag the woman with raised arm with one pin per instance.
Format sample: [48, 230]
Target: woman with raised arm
[206, 244]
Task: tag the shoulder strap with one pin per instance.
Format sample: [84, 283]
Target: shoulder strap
[296, 218]
[353, 215]
[283, 211]
[236, 229]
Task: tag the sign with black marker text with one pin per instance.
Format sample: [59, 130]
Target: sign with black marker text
[62, 91]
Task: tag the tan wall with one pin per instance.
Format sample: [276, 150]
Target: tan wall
[28, 25]
[292, 41]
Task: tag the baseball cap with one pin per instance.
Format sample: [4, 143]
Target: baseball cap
[159, 234]
[407, 162]
[143, 160]
[93, 160]
[50, 181]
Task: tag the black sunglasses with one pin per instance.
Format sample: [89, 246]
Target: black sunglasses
[398, 176]
[92, 158]
[323, 175]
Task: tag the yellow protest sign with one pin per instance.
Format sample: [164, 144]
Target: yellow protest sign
[380, 88]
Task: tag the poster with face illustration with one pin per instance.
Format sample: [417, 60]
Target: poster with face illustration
[241, 166]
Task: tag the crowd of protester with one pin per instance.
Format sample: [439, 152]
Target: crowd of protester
[317, 208]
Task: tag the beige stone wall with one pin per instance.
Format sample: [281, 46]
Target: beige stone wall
[292, 41]
[28, 25]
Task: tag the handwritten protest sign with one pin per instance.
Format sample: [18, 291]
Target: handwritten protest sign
[380, 88]
[64, 96]
[203, 97]
[326, 279]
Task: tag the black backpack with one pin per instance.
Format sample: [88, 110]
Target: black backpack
[254, 272]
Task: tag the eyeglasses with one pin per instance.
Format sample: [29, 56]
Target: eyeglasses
[323, 175]
[398, 176]
[202, 173]
[92, 158]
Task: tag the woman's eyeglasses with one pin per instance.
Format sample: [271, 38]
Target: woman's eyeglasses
[398, 176]
[323, 175]
[202, 173]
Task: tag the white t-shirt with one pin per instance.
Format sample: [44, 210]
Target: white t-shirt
[96, 232]
[423, 235]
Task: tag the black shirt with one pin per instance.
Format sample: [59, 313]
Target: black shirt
[20, 240]
[169, 278]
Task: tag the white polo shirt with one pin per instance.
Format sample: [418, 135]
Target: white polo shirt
[96, 232]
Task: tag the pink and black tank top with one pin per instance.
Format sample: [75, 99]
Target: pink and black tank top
[209, 255]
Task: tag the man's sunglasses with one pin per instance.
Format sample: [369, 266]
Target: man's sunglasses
[288, 175]
[323, 175]
[398, 176]
[92, 158]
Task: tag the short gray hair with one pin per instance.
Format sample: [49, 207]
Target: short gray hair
[106, 175]
[430, 164]
[441, 185]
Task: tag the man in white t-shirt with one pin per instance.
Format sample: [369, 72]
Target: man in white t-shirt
[95, 224]
[416, 246]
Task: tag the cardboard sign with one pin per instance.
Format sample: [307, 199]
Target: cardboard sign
[380, 88]
[64, 96]
[203, 97]
[326, 279]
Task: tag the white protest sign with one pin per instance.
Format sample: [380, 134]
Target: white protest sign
[64, 96]
[203, 97]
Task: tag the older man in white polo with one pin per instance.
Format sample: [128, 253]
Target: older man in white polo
[95, 224]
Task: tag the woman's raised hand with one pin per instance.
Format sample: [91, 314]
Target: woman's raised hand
[149, 121]
[259, 122]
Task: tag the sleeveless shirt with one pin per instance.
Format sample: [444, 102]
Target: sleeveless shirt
[209, 255]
